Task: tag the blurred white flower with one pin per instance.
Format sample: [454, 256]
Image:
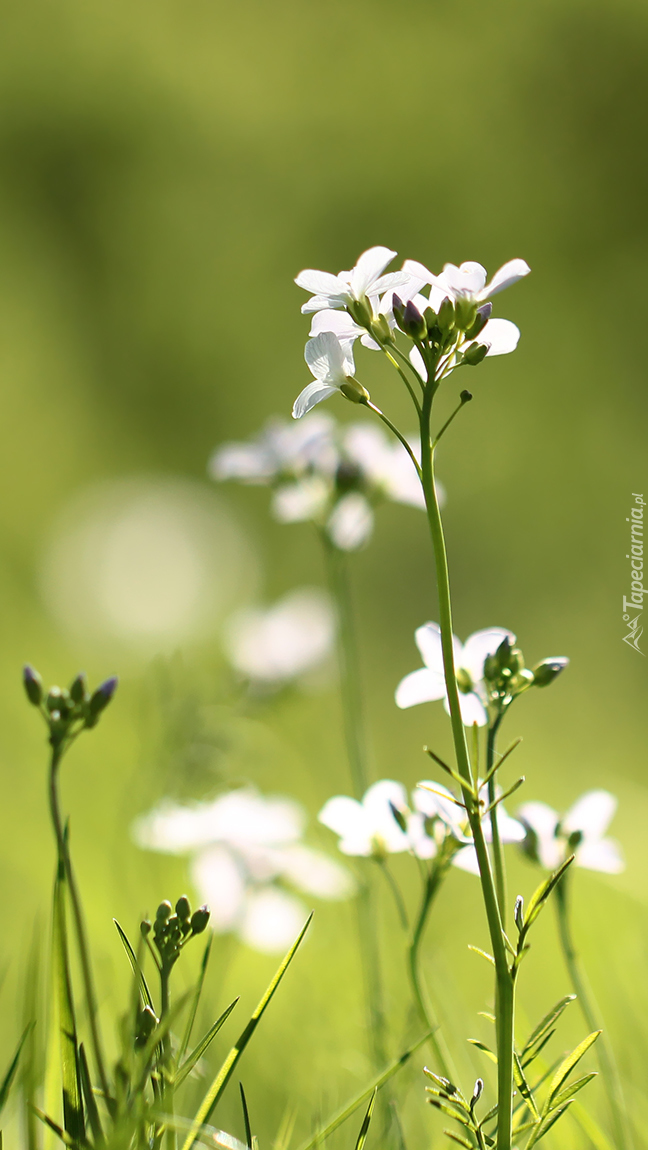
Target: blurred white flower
[329, 474]
[428, 684]
[364, 282]
[244, 849]
[551, 838]
[369, 827]
[279, 643]
[434, 800]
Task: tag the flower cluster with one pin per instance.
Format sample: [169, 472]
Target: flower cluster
[247, 858]
[490, 673]
[550, 837]
[384, 823]
[324, 473]
[452, 322]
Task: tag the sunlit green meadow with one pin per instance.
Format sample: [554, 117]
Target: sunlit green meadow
[165, 172]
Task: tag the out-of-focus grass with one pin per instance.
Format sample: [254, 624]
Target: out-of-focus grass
[165, 170]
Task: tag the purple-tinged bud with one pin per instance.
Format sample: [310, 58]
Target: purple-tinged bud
[413, 324]
[102, 696]
[199, 919]
[446, 316]
[481, 319]
[33, 685]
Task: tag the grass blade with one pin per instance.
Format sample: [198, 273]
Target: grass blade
[136, 968]
[184, 1045]
[366, 1121]
[227, 1069]
[246, 1118]
[7, 1081]
[199, 1050]
[88, 1096]
[323, 1132]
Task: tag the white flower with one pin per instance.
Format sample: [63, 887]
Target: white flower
[242, 846]
[279, 643]
[331, 362]
[384, 463]
[351, 522]
[434, 801]
[428, 684]
[282, 447]
[368, 827]
[468, 281]
[364, 282]
[585, 823]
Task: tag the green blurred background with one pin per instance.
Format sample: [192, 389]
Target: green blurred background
[165, 171]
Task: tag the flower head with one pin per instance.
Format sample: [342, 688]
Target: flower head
[282, 642]
[368, 827]
[331, 475]
[550, 838]
[428, 683]
[244, 849]
[347, 289]
[331, 362]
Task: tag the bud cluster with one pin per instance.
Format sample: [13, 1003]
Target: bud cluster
[172, 930]
[506, 676]
[457, 321]
[68, 710]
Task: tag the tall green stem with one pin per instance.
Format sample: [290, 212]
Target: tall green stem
[504, 982]
[351, 696]
[436, 1040]
[58, 750]
[589, 1010]
[498, 857]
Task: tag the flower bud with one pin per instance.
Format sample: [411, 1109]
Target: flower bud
[33, 685]
[102, 697]
[145, 927]
[481, 319]
[163, 911]
[58, 701]
[446, 316]
[521, 680]
[518, 913]
[465, 312]
[199, 919]
[380, 330]
[491, 668]
[475, 354]
[412, 323]
[79, 688]
[360, 312]
[465, 396]
[477, 1092]
[503, 653]
[399, 817]
[354, 391]
[183, 908]
[548, 670]
[146, 1023]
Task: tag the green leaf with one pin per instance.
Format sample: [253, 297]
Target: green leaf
[573, 1088]
[546, 1023]
[136, 968]
[72, 1104]
[545, 1126]
[485, 1049]
[323, 1132]
[445, 1108]
[366, 1121]
[478, 950]
[246, 1118]
[7, 1081]
[89, 1098]
[523, 1086]
[538, 1049]
[224, 1074]
[541, 894]
[184, 1045]
[566, 1067]
[460, 1139]
[199, 1050]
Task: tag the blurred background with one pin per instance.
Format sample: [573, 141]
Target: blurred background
[165, 171]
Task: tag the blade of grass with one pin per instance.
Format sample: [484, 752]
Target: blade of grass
[136, 968]
[224, 1074]
[92, 1109]
[7, 1081]
[323, 1132]
[199, 1050]
[184, 1045]
[246, 1117]
[366, 1121]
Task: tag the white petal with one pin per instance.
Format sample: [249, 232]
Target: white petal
[371, 264]
[174, 829]
[377, 802]
[342, 815]
[510, 830]
[419, 272]
[543, 821]
[428, 641]
[351, 522]
[501, 335]
[508, 274]
[312, 394]
[468, 279]
[602, 855]
[472, 709]
[283, 641]
[591, 814]
[247, 462]
[466, 859]
[271, 920]
[388, 282]
[435, 801]
[325, 356]
[220, 883]
[319, 283]
[479, 645]
[300, 501]
[418, 363]
[422, 686]
[315, 873]
[325, 302]
[339, 322]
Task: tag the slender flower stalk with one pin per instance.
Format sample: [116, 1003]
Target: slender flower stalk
[498, 854]
[432, 883]
[590, 1012]
[351, 698]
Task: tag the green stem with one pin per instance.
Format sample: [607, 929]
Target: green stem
[167, 1089]
[589, 1010]
[351, 697]
[436, 1039]
[498, 857]
[58, 750]
[404, 378]
[504, 981]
